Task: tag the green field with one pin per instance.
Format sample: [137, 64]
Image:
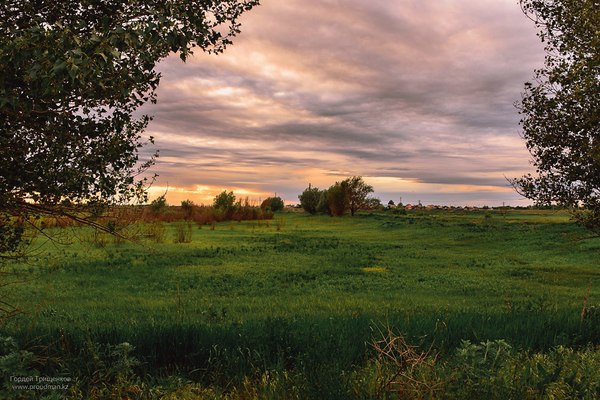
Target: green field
[291, 307]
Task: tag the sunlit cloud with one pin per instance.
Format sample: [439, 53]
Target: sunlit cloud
[417, 97]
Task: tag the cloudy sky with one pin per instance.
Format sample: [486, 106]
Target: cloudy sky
[416, 96]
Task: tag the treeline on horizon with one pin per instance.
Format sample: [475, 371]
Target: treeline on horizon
[350, 195]
[225, 207]
[353, 194]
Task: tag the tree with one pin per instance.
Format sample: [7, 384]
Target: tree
[224, 201]
[373, 203]
[72, 75]
[337, 198]
[159, 205]
[357, 191]
[323, 205]
[351, 194]
[273, 204]
[277, 204]
[187, 207]
[561, 110]
[309, 199]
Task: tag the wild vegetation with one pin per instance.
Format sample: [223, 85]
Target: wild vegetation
[440, 304]
[349, 195]
[148, 302]
[561, 109]
[73, 76]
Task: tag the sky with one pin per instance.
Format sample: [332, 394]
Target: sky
[415, 96]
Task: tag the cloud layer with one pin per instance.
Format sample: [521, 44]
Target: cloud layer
[415, 96]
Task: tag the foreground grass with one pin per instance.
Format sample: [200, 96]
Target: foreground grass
[292, 306]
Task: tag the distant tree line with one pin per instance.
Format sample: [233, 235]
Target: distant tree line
[349, 195]
[225, 207]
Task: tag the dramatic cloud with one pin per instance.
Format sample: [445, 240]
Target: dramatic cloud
[416, 96]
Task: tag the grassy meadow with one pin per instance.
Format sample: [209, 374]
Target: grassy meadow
[373, 306]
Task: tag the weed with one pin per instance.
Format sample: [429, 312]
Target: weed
[183, 232]
[409, 370]
[156, 231]
[279, 223]
[257, 313]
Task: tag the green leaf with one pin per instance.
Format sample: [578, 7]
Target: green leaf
[101, 54]
[59, 66]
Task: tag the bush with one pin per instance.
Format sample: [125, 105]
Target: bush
[224, 200]
[158, 205]
[155, 231]
[183, 232]
[273, 204]
[309, 199]
[337, 199]
[323, 205]
[400, 210]
[11, 233]
[187, 208]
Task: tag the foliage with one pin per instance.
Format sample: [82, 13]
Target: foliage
[561, 110]
[188, 206]
[351, 194]
[13, 362]
[373, 203]
[323, 204]
[404, 369]
[183, 232]
[158, 205]
[72, 76]
[399, 210]
[395, 370]
[11, 233]
[155, 231]
[200, 214]
[337, 198]
[358, 192]
[309, 199]
[273, 204]
[224, 201]
[247, 310]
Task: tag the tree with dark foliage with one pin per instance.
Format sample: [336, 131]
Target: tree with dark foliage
[309, 199]
[561, 109]
[273, 204]
[72, 74]
[358, 192]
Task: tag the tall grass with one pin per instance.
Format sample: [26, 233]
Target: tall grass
[293, 309]
[183, 232]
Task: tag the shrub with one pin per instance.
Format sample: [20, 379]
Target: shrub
[277, 204]
[224, 203]
[309, 199]
[400, 210]
[11, 233]
[187, 208]
[323, 205]
[183, 232]
[13, 362]
[155, 231]
[158, 205]
[98, 238]
[337, 199]
[273, 204]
